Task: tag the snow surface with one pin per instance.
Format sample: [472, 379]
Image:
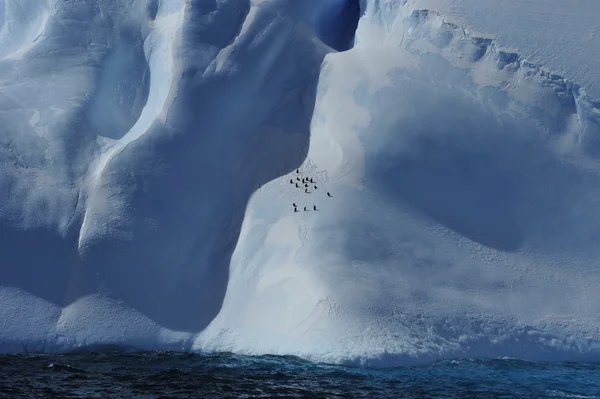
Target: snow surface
[147, 148]
[562, 36]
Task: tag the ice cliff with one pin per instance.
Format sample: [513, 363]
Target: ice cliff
[157, 158]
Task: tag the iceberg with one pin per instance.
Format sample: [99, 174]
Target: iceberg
[370, 182]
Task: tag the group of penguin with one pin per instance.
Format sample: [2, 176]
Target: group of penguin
[306, 183]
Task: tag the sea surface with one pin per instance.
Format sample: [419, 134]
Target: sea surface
[177, 375]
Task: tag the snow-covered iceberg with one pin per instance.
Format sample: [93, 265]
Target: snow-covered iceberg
[157, 158]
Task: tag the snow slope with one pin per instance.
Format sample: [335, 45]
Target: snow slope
[147, 149]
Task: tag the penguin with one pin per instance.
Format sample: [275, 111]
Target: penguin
[305, 209]
[306, 185]
[291, 181]
[315, 207]
[315, 187]
[329, 194]
[297, 178]
[297, 170]
[306, 191]
[294, 204]
[297, 185]
[295, 209]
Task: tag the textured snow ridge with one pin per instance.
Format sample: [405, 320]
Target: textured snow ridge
[152, 152]
[562, 36]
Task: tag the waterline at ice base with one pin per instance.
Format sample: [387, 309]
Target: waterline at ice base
[361, 182]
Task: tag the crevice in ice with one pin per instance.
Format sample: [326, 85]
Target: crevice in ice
[152, 9]
[339, 29]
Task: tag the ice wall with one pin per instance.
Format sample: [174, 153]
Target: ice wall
[133, 134]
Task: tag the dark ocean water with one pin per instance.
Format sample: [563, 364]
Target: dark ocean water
[176, 375]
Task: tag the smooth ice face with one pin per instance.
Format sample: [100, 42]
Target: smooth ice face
[146, 154]
[464, 199]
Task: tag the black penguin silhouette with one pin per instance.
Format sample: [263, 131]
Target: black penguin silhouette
[306, 185]
[294, 204]
[329, 194]
[297, 170]
[315, 207]
[305, 209]
[291, 181]
[306, 190]
[315, 187]
[295, 209]
[297, 185]
[297, 178]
